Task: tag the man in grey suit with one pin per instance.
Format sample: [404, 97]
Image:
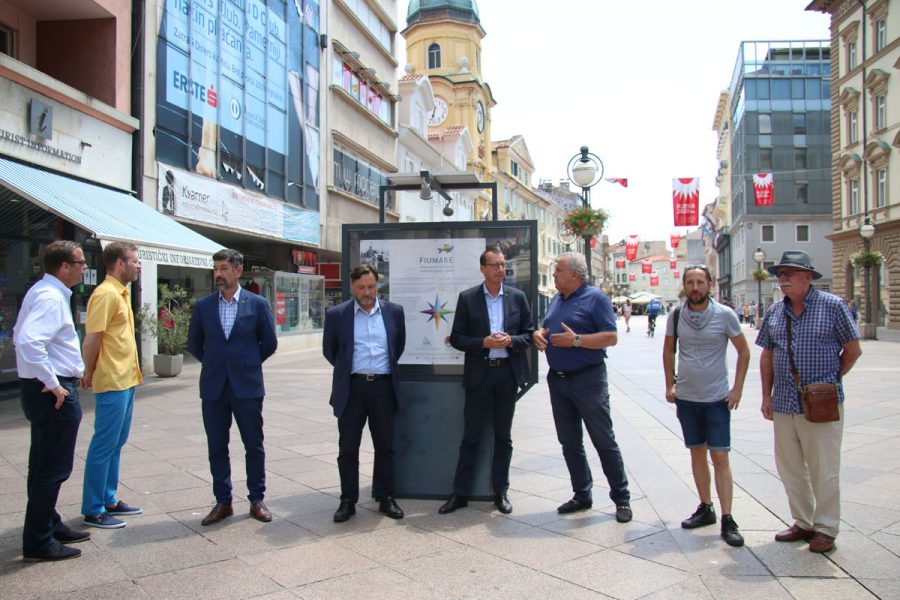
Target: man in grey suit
[493, 326]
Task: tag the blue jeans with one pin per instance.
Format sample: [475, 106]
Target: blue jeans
[112, 422]
[705, 423]
[584, 398]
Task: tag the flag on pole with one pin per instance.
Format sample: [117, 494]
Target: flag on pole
[763, 189]
[686, 201]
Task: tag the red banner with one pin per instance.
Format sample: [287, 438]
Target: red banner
[631, 276]
[764, 189]
[623, 181]
[631, 247]
[654, 280]
[593, 242]
[676, 275]
[620, 264]
[686, 201]
[674, 240]
[673, 263]
[280, 309]
[646, 266]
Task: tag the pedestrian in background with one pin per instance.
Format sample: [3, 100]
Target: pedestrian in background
[112, 369]
[49, 364]
[626, 311]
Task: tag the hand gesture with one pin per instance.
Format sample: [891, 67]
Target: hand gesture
[540, 339]
[565, 339]
[59, 392]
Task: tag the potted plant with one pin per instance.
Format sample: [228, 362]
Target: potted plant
[760, 274]
[170, 328]
[866, 259]
[585, 221]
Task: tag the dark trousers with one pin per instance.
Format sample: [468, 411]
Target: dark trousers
[584, 398]
[217, 423]
[372, 400]
[495, 397]
[53, 435]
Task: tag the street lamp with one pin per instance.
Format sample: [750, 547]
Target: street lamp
[759, 256]
[866, 231]
[585, 170]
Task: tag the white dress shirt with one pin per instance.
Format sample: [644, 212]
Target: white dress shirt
[46, 342]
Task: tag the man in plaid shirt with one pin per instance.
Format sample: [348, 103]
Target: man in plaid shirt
[825, 343]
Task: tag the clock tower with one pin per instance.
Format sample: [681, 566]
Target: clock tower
[443, 42]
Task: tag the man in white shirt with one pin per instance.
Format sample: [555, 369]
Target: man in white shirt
[50, 367]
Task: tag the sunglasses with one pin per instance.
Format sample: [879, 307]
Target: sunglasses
[77, 262]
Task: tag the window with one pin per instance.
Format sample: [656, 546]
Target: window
[765, 159]
[6, 41]
[801, 191]
[434, 56]
[768, 233]
[800, 158]
[802, 233]
[799, 123]
[880, 34]
[851, 55]
[765, 123]
[514, 168]
[881, 188]
[854, 196]
[853, 127]
[880, 112]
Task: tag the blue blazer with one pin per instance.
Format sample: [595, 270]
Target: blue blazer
[239, 358]
[471, 324]
[337, 346]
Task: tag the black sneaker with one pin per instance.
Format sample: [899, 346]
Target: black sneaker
[704, 515]
[730, 532]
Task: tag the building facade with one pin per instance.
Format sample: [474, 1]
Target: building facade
[780, 123]
[865, 145]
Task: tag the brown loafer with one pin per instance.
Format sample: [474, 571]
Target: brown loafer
[259, 512]
[794, 533]
[220, 511]
[821, 543]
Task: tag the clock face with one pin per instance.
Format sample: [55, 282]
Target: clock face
[439, 114]
[479, 116]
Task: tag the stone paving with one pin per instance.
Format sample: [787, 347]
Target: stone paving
[475, 552]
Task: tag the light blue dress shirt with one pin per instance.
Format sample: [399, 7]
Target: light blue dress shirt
[495, 314]
[228, 311]
[370, 343]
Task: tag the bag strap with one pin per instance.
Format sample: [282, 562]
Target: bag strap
[675, 313]
[790, 348]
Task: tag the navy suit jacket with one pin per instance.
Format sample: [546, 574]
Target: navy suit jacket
[337, 346]
[239, 358]
[471, 324]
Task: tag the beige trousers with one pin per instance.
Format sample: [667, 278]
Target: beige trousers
[808, 458]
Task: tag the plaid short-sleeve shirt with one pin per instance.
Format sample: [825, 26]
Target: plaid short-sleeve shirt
[818, 336]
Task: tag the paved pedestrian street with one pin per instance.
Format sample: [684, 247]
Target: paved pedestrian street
[475, 552]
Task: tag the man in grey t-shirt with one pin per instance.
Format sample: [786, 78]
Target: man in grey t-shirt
[702, 395]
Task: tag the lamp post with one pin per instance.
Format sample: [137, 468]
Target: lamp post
[585, 170]
[759, 256]
[866, 231]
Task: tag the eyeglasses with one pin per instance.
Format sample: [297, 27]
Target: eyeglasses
[495, 265]
[788, 272]
[77, 262]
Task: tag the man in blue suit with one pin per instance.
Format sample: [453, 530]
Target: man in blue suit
[231, 333]
[493, 326]
[363, 340]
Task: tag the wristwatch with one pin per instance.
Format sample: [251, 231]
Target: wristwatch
[577, 342]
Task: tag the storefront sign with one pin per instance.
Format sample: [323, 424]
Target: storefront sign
[206, 200]
[175, 258]
[35, 145]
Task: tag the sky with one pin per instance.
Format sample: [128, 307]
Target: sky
[637, 82]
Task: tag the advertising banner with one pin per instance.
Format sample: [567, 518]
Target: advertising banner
[632, 276]
[620, 264]
[763, 189]
[654, 280]
[686, 201]
[674, 240]
[673, 263]
[646, 266]
[631, 247]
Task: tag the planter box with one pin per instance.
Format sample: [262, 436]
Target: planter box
[167, 365]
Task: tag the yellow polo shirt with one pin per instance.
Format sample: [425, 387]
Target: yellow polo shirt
[109, 313]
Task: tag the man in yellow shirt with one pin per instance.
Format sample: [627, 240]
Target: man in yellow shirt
[111, 367]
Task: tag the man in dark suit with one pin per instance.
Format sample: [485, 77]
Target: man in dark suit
[493, 326]
[231, 333]
[363, 339]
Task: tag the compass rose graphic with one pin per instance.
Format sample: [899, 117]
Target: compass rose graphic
[436, 312]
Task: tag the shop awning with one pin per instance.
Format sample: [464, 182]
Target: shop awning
[108, 214]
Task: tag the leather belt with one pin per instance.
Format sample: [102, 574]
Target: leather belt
[574, 372]
[497, 362]
[69, 379]
[370, 376]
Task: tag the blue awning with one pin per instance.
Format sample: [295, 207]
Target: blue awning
[108, 214]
